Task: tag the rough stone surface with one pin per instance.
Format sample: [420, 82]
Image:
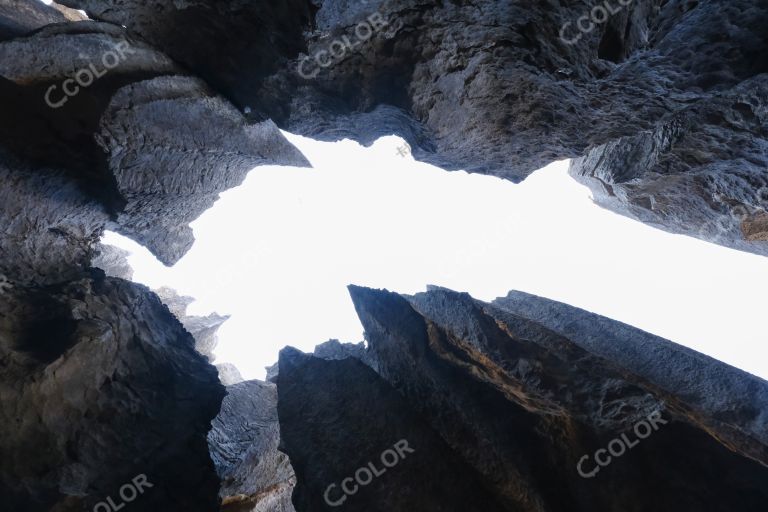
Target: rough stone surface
[500, 88]
[337, 416]
[521, 403]
[100, 384]
[152, 146]
[48, 226]
[703, 173]
[20, 17]
[113, 261]
[255, 476]
[202, 328]
[167, 173]
[233, 45]
[664, 104]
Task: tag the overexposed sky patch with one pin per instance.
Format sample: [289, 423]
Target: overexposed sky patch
[278, 252]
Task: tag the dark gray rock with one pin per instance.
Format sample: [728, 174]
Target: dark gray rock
[729, 401]
[233, 45]
[255, 476]
[202, 328]
[50, 227]
[330, 350]
[504, 88]
[337, 416]
[166, 171]
[132, 139]
[522, 403]
[100, 384]
[20, 17]
[703, 173]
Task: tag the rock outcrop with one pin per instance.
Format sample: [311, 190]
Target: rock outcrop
[202, 328]
[505, 88]
[525, 407]
[702, 173]
[255, 476]
[137, 120]
[99, 384]
[125, 125]
[19, 17]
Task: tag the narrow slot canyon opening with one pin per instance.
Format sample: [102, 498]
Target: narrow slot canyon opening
[276, 255]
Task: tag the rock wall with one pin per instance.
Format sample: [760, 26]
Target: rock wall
[255, 476]
[137, 121]
[524, 407]
[99, 385]
[506, 87]
[104, 399]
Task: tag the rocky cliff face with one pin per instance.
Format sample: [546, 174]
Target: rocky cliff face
[255, 475]
[100, 384]
[136, 121]
[702, 173]
[104, 399]
[506, 87]
[504, 411]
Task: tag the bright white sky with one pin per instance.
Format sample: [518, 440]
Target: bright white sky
[278, 252]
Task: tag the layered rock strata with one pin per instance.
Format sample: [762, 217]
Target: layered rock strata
[574, 413]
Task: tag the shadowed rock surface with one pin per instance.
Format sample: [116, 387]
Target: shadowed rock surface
[729, 397]
[523, 404]
[20, 17]
[233, 45]
[506, 87]
[331, 350]
[152, 146]
[100, 384]
[202, 328]
[337, 416]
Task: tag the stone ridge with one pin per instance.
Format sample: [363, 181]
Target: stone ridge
[526, 407]
[505, 88]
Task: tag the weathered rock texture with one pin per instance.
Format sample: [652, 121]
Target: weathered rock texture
[113, 261]
[255, 476]
[176, 100]
[506, 87]
[519, 401]
[702, 173]
[152, 146]
[19, 17]
[337, 416]
[99, 384]
[202, 328]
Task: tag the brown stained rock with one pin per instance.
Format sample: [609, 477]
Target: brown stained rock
[755, 228]
[522, 404]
